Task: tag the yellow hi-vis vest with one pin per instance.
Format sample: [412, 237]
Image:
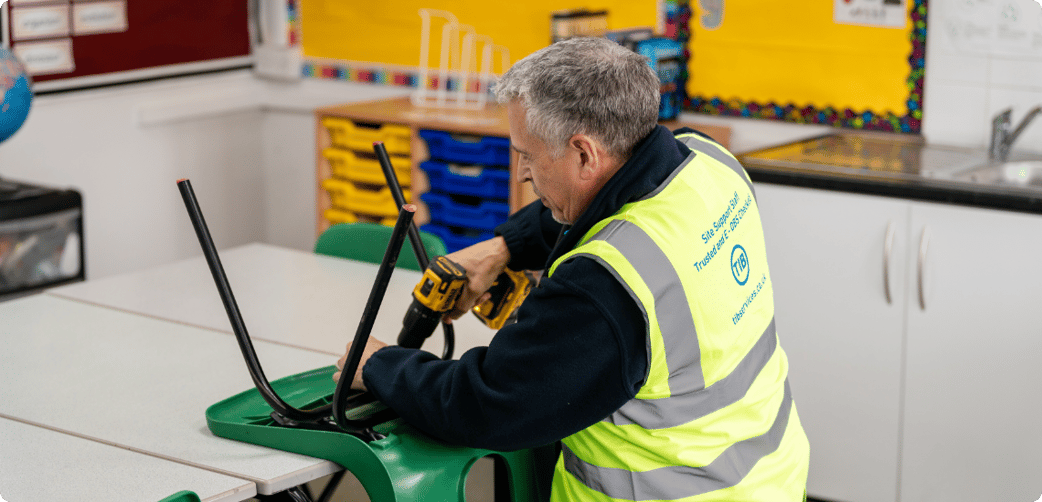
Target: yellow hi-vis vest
[714, 419]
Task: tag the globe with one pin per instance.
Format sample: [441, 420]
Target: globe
[16, 94]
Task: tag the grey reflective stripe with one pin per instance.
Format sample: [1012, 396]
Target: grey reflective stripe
[679, 409]
[719, 155]
[677, 482]
[683, 357]
[674, 174]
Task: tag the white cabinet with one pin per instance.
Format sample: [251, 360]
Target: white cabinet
[843, 338]
[936, 394]
[973, 387]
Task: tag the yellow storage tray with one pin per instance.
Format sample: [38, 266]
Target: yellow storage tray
[337, 216]
[344, 133]
[352, 166]
[360, 198]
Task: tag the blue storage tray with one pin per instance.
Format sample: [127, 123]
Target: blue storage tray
[485, 182]
[452, 212]
[489, 150]
[457, 238]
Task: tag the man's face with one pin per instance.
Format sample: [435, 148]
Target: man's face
[554, 180]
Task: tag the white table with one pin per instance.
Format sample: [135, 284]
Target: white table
[286, 296]
[142, 384]
[38, 464]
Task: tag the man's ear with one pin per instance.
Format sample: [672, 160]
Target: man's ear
[593, 159]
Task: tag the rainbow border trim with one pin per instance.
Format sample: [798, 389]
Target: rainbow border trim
[368, 73]
[867, 120]
[352, 72]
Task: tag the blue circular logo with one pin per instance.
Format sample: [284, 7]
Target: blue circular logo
[739, 265]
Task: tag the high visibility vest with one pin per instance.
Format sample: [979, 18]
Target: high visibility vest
[714, 419]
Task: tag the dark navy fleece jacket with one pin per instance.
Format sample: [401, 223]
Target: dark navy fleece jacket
[576, 353]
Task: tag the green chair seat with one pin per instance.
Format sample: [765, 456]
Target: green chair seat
[368, 241]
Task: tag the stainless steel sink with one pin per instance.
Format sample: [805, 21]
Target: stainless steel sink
[1023, 172]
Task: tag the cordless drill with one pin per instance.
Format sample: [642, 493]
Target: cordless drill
[443, 281]
[439, 290]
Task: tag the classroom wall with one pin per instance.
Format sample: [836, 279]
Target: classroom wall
[982, 56]
[246, 144]
[126, 162]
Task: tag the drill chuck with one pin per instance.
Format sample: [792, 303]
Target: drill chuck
[419, 323]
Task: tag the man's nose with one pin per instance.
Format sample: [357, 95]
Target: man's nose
[523, 173]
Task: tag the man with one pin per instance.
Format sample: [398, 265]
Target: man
[648, 348]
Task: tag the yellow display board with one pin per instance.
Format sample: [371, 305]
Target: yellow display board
[794, 61]
[389, 32]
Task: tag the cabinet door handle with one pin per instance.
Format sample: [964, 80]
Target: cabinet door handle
[888, 247]
[924, 244]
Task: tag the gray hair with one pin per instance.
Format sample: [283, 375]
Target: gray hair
[589, 86]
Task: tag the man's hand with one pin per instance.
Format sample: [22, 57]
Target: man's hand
[370, 348]
[483, 262]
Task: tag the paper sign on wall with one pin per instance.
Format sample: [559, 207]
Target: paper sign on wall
[39, 22]
[42, 58]
[1011, 28]
[880, 13]
[99, 17]
[711, 13]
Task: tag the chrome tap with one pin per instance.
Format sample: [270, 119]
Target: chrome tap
[1002, 138]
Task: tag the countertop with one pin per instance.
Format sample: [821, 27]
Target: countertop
[892, 165]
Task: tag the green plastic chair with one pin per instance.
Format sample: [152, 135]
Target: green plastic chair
[182, 496]
[405, 466]
[367, 242]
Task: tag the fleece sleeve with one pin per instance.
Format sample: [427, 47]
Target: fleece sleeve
[576, 354]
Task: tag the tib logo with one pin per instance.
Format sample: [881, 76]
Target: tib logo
[739, 265]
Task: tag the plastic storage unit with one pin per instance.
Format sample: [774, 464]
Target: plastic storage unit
[469, 186]
[355, 184]
[41, 238]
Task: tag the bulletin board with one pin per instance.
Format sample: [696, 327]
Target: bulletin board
[380, 41]
[773, 60]
[137, 36]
